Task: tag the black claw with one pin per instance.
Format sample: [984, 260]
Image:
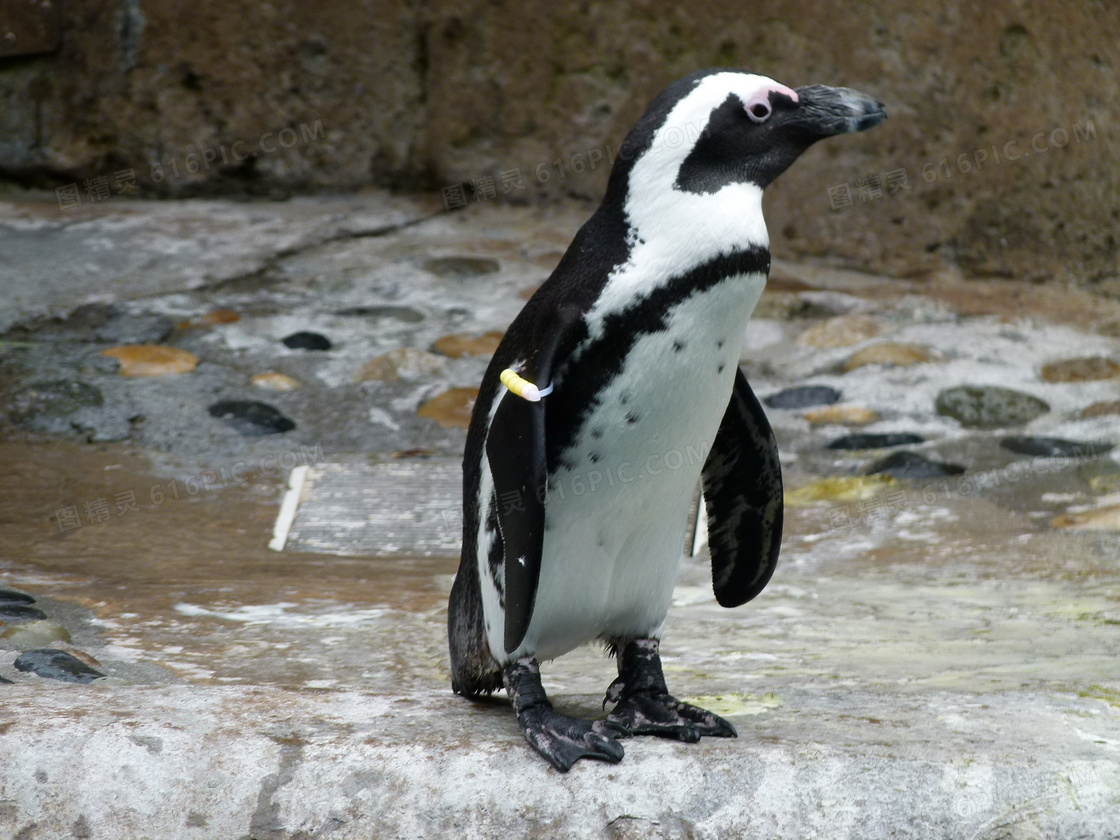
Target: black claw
[560, 739]
[645, 707]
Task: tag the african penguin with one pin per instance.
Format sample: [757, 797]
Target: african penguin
[614, 392]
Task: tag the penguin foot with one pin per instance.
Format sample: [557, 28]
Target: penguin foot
[644, 705]
[560, 739]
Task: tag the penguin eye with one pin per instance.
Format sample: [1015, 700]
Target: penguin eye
[759, 112]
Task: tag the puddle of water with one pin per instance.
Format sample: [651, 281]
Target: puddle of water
[189, 588]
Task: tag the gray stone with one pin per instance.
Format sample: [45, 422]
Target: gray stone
[408, 314]
[20, 613]
[305, 340]
[1051, 447]
[865, 440]
[60, 665]
[989, 407]
[251, 417]
[11, 596]
[461, 267]
[911, 465]
[804, 396]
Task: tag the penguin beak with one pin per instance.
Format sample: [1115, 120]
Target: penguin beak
[826, 111]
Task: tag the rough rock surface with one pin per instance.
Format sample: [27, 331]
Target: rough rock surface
[1004, 139]
[933, 658]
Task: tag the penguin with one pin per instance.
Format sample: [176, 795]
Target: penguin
[614, 393]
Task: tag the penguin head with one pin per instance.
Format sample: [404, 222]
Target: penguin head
[697, 161]
[720, 127]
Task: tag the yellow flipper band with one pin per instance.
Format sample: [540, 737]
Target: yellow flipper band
[523, 387]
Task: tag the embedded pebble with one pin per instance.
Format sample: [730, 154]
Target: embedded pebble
[407, 314]
[865, 440]
[460, 345]
[451, 408]
[1051, 447]
[11, 596]
[274, 381]
[989, 407]
[217, 316]
[35, 634]
[251, 418]
[843, 415]
[151, 359]
[888, 353]
[845, 488]
[54, 664]
[912, 465]
[1102, 409]
[307, 341]
[841, 331]
[1087, 369]
[404, 362]
[461, 266]
[804, 396]
[20, 613]
[1101, 519]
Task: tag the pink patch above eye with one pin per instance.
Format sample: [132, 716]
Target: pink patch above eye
[762, 96]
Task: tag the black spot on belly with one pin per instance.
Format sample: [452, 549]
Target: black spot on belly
[596, 433]
[721, 367]
[632, 418]
[594, 457]
[719, 344]
[678, 346]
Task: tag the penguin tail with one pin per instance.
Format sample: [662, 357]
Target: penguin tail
[474, 672]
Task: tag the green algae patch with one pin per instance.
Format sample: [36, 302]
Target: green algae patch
[847, 488]
[735, 703]
[1099, 692]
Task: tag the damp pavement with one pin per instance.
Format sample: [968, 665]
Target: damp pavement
[935, 656]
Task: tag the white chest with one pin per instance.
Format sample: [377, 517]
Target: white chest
[617, 513]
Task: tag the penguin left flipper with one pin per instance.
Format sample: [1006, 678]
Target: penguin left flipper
[515, 451]
[742, 481]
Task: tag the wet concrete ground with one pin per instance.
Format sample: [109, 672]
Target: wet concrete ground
[934, 657]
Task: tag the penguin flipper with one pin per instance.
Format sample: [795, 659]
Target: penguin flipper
[515, 450]
[742, 481]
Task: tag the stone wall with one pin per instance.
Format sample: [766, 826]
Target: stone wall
[1004, 116]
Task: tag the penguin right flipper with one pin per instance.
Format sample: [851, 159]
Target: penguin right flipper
[515, 451]
[743, 494]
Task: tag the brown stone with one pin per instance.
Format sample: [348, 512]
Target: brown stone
[890, 354]
[451, 408]
[841, 331]
[404, 362]
[844, 415]
[1101, 519]
[460, 344]
[151, 359]
[1087, 369]
[274, 381]
[1101, 409]
[218, 316]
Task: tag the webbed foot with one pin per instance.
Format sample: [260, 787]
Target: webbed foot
[644, 705]
[560, 739]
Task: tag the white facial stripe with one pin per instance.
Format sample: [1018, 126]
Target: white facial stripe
[673, 230]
